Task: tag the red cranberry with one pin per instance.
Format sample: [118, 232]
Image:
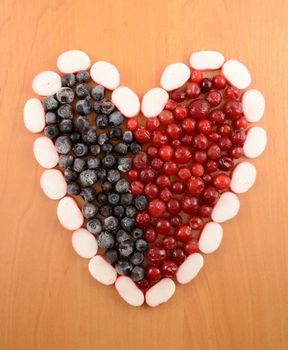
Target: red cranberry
[207, 179]
[217, 116]
[190, 204]
[200, 156]
[152, 124]
[156, 163]
[178, 95]
[169, 268]
[225, 163]
[214, 98]
[225, 130]
[140, 160]
[236, 152]
[195, 185]
[152, 151]
[200, 142]
[191, 246]
[151, 191]
[232, 93]
[170, 168]
[184, 233]
[206, 85]
[204, 126]
[177, 187]
[193, 90]
[238, 137]
[180, 112]
[165, 195]
[187, 140]
[163, 226]
[176, 221]
[143, 284]
[175, 143]
[132, 124]
[210, 195]
[174, 131]
[214, 152]
[147, 175]
[199, 109]
[222, 181]
[153, 274]
[197, 169]
[169, 243]
[171, 105]
[150, 235]
[142, 218]
[225, 143]
[233, 109]
[196, 76]
[173, 206]
[166, 152]
[166, 117]
[211, 166]
[241, 123]
[188, 125]
[178, 256]
[156, 208]
[132, 174]
[163, 181]
[159, 138]
[136, 187]
[182, 154]
[205, 211]
[214, 137]
[219, 82]
[142, 135]
[196, 223]
[156, 255]
[184, 173]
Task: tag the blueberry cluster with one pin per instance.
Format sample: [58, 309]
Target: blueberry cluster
[95, 153]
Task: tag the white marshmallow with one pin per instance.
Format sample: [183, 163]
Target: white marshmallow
[174, 76]
[237, 74]
[210, 238]
[84, 243]
[243, 177]
[53, 184]
[45, 152]
[69, 214]
[105, 74]
[190, 268]
[73, 61]
[160, 292]
[226, 208]
[129, 291]
[203, 60]
[102, 271]
[153, 102]
[253, 103]
[46, 83]
[34, 115]
[255, 143]
[126, 101]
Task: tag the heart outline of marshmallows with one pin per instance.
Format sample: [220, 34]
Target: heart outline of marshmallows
[153, 102]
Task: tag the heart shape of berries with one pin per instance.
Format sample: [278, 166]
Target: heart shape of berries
[155, 188]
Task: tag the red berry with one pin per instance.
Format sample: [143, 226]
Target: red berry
[177, 187]
[169, 243]
[232, 93]
[217, 116]
[159, 138]
[173, 206]
[178, 256]
[191, 246]
[169, 268]
[236, 152]
[214, 137]
[182, 154]
[136, 187]
[204, 126]
[150, 235]
[175, 143]
[142, 218]
[152, 124]
[153, 274]
[156, 163]
[233, 109]
[156, 255]
[206, 84]
[143, 284]
[166, 117]
[151, 191]
[200, 157]
[178, 95]
[171, 105]
[205, 211]
[225, 143]
[156, 208]
[132, 124]
[190, 204]
[207, 179]
[199, 109]
[225, 163]
[222, 181]
[195, 185]
[184, 173]
[165, 195]
[193, 90]
[214, 98]
[188, 125]
[176, 220]
[163, 226]
[140, 160]
[197, 169]
[166, 152]
[152, 151]
[147, 175]
[163, 181]
[219, 82]
[200, 142]
[241, 123]
[210, 195]
[196, 76]
[180, 112]
[211, 166]
[184, 233]
[142, 135]
[170, 168]
[225, 130]
[132, 174]
[187, 139]
[196, 223]
[174, 131]
[238, 137]
[214, 152]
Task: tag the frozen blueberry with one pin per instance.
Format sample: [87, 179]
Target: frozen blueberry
[82, 90]
[83, 76]
[75, 137]
[70, 175]
[125, 248]
[94, 226]
[97, 92]
[135, 147]
[97, 107]
[107, 106]
[65, 95]
[89, 210]
[137, 274]
[105, 211]
[107, 148]
[113, 199]
[107, 187]
[63, 144]
[89, 136]
[50, 103]
[65, 160]
[102, 138]
[105, 240]
[108, 161]
[93, 163]
[122, 236]
[111, 223]
[127, 224]
[127, 136]
[115, 133]
[65, 111]
[126, 199]
[88, 177]
[141, 245]
[116, 118]
[80, 149]
[81, 123]
[140, 202]
[113, 175]
[137, 258]
[51, 118]
[102, 198]
[101, 174]
[88, 194]
[66, 126]
[68, 80]
[123, 267]
[79, 165]
[73, 189]
[111, 256]
[101, 121]
[95, 149]
[130, 211]
[51, 131]
[119, 211]
[121, 149]
[124, 164]
[137, 232]
[122, 186]
[83, 107]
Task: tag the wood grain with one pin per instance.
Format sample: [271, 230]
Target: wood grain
[47, 298]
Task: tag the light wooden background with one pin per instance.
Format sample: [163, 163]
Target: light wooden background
[47, 298]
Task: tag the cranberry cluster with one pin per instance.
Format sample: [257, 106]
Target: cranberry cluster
[189, 150]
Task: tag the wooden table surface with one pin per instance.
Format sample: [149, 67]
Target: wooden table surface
[47, 298]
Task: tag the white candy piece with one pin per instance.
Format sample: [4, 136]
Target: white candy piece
[53, 184]
[102, 271]
[129, 291]
[45, 152]
[46, 83]
[34, 115]
[203, 60]
[105, 74]
[69, 214]
[255, 143]
[243, 177]
[84, 243]
[253, 103]
[237, 74]
[153, 102]
[160, 292]
[226, 208]
[126, 101]
[190, 268]
[210, 238]
[73, 61]
[174, 76]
